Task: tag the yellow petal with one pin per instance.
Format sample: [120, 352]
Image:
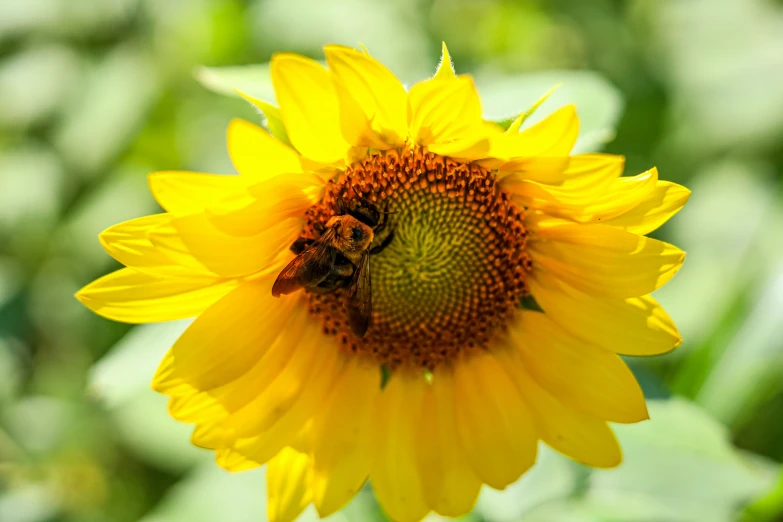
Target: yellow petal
[227, 339]
[183, 193]
[440, 112]
[582, 376]
[582, 437]
[277, 398]
[662, 203]
[135, 297]
[494, 424]
[257, 155]
[394, 475]
[545, 170]
[129, 244]
[309, 107]
[445, 70]
[592, 172]
[553, 137]
[631, 326]
[287, 485]
[303, 440]
[343, 442]
[192, 403]
[450, 485]
[209, 436]
[604, 261]
[294, 399]
[267, 203]
[230, 460]
[584, 176]
[599, 203]
[373, 102]
[229, 256]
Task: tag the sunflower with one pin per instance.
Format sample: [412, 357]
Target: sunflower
[515, 276]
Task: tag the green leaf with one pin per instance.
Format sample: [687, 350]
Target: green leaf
[733, 359]
[682, 466]
[252, 83]
[210, 493]
[679, 467]
[599, 104]
[128, 368]
[552, 479]
[249, 79]
[769, 507]
[121, 381]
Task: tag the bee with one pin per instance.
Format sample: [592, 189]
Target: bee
[339, 258]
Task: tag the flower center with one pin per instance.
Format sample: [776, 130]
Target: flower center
[454, 272]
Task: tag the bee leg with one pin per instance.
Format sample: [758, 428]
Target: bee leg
[301, 244]
[388, 239]
[383, 219]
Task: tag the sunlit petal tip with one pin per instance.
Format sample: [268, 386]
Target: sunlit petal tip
[681, 260]
[233, 124]
[569, 113]
[158, 384]
[258, 155]
[566, 116]
[338, 48]
[445, 69]
[82, 298]
[280, 57]
[162, 379]
[608, 460]
[235, 127]
[234, 462]
[659, 205]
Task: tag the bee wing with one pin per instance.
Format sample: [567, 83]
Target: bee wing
[307, 269]
[358, 303]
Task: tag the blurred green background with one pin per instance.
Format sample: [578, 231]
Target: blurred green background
[94, 94]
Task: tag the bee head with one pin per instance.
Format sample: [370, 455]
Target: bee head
[352, 234]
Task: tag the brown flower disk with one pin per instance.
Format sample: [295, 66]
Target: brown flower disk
[454, 273]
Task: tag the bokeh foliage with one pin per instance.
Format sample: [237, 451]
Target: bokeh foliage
[94, 94]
